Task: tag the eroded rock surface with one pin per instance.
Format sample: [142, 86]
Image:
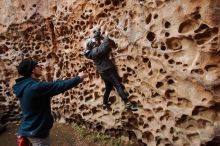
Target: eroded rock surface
[167, 55]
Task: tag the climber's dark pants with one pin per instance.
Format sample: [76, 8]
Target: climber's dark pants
[111, 79]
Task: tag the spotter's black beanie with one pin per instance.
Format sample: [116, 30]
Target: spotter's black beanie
[26, 66]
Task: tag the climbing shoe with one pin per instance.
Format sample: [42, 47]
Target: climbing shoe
[106, 106]
[132, 107]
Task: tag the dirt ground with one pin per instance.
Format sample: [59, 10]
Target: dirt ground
[61, 135]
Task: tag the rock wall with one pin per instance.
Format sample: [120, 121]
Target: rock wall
[167, 55]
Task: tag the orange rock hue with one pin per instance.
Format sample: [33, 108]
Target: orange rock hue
[167, 55]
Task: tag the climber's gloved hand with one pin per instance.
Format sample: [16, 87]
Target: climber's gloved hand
[106, 34]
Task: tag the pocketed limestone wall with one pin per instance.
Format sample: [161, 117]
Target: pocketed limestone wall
[167, 55]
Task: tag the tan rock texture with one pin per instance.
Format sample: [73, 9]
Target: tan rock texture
[167, 55]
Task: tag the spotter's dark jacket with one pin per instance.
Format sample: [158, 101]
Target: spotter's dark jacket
[35, 97]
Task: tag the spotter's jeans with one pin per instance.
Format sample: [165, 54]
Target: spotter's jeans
[39, 141]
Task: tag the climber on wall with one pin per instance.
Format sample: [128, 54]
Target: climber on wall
[99, 50]
[35, 97]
